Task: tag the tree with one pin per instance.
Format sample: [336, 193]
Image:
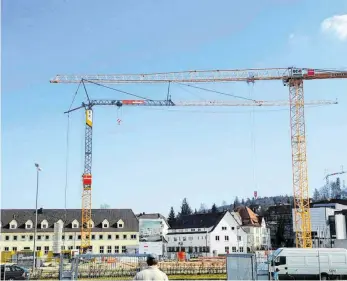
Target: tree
[104, 206]
[236, 202]
[335, 189]
[316, 195]
[325, 192]
[185, 208]
[202, 208]
[214, 208]
[243, 202]
[172, 217]
[224, 205]
[195, 211]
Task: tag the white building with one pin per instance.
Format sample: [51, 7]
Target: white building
[209, 234]
[153, 229]
[113, 230]
[258, 235]
[323, 221]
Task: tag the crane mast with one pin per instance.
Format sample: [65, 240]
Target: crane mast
[291, 77]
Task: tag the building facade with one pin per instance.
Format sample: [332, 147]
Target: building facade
[113, 230]
[153, 229]
[258, 234]
[207, 234]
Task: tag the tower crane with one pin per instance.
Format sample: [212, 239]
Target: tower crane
[292, 77]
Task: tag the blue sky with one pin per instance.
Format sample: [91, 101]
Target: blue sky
[159, 156]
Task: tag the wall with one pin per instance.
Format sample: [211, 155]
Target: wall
[74, 242]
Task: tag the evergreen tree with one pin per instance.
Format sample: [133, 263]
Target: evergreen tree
[195, 211]
[243, 202]
[202, 208]
[335, 188]
[214, 208]
[172, 217]
[236, 202]
[185, 208]
[316, 195]
[104, 206]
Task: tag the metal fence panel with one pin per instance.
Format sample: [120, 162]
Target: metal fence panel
[241, 267]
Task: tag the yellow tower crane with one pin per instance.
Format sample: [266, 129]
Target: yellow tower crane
[291, 77]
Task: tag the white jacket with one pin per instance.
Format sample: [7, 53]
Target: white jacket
[151, 273]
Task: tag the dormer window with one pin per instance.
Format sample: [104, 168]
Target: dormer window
[91, 224]
[120, 224]
[13, 224]
[105, 224]
[44, 224]
[75, 224]
[29, 224]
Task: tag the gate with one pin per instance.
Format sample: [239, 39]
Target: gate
[90, 266]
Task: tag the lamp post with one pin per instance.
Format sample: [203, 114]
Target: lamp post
[38, 169]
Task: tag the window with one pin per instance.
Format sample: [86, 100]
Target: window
[23, 237]
[26, 248]
[192, 229]
[175, 238]
[241, 249]
[234, 249]
[116, 249]
[28, 226]
[46, 250]
[12, 226]
[79, 237]
[14, 249]
[75, 225]
[38, 248]
[70, 248]
[93, 237]
[120, 225]
[78, 247]
[7, 237]
[63, 237]
[184, 238]
[227, 249]
[105, 225]
[101, 249]
[31, 237]
[15, 238]
[70, 237]
[109, 249]
[238, 238]
[43, 225]
[109, 237]
[190, 238]
[117, 236]
[101, 237]
[199, 229]
[63, 248]
[124, 249]
[7, 249]
[39, 237]
[232, 228]
[47, 237]
[125, 236]
[133, 236]
[226, 238]
[217, 238]
[224, 228]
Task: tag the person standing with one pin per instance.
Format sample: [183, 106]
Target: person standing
[152, 272]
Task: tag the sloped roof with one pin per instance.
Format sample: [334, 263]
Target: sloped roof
[153, 216]
[204, 220]
[248, 216]
[53, 215]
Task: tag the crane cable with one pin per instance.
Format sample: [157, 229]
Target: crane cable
[253, 135]
[67, 162]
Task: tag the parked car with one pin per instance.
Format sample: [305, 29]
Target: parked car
[13, 272]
